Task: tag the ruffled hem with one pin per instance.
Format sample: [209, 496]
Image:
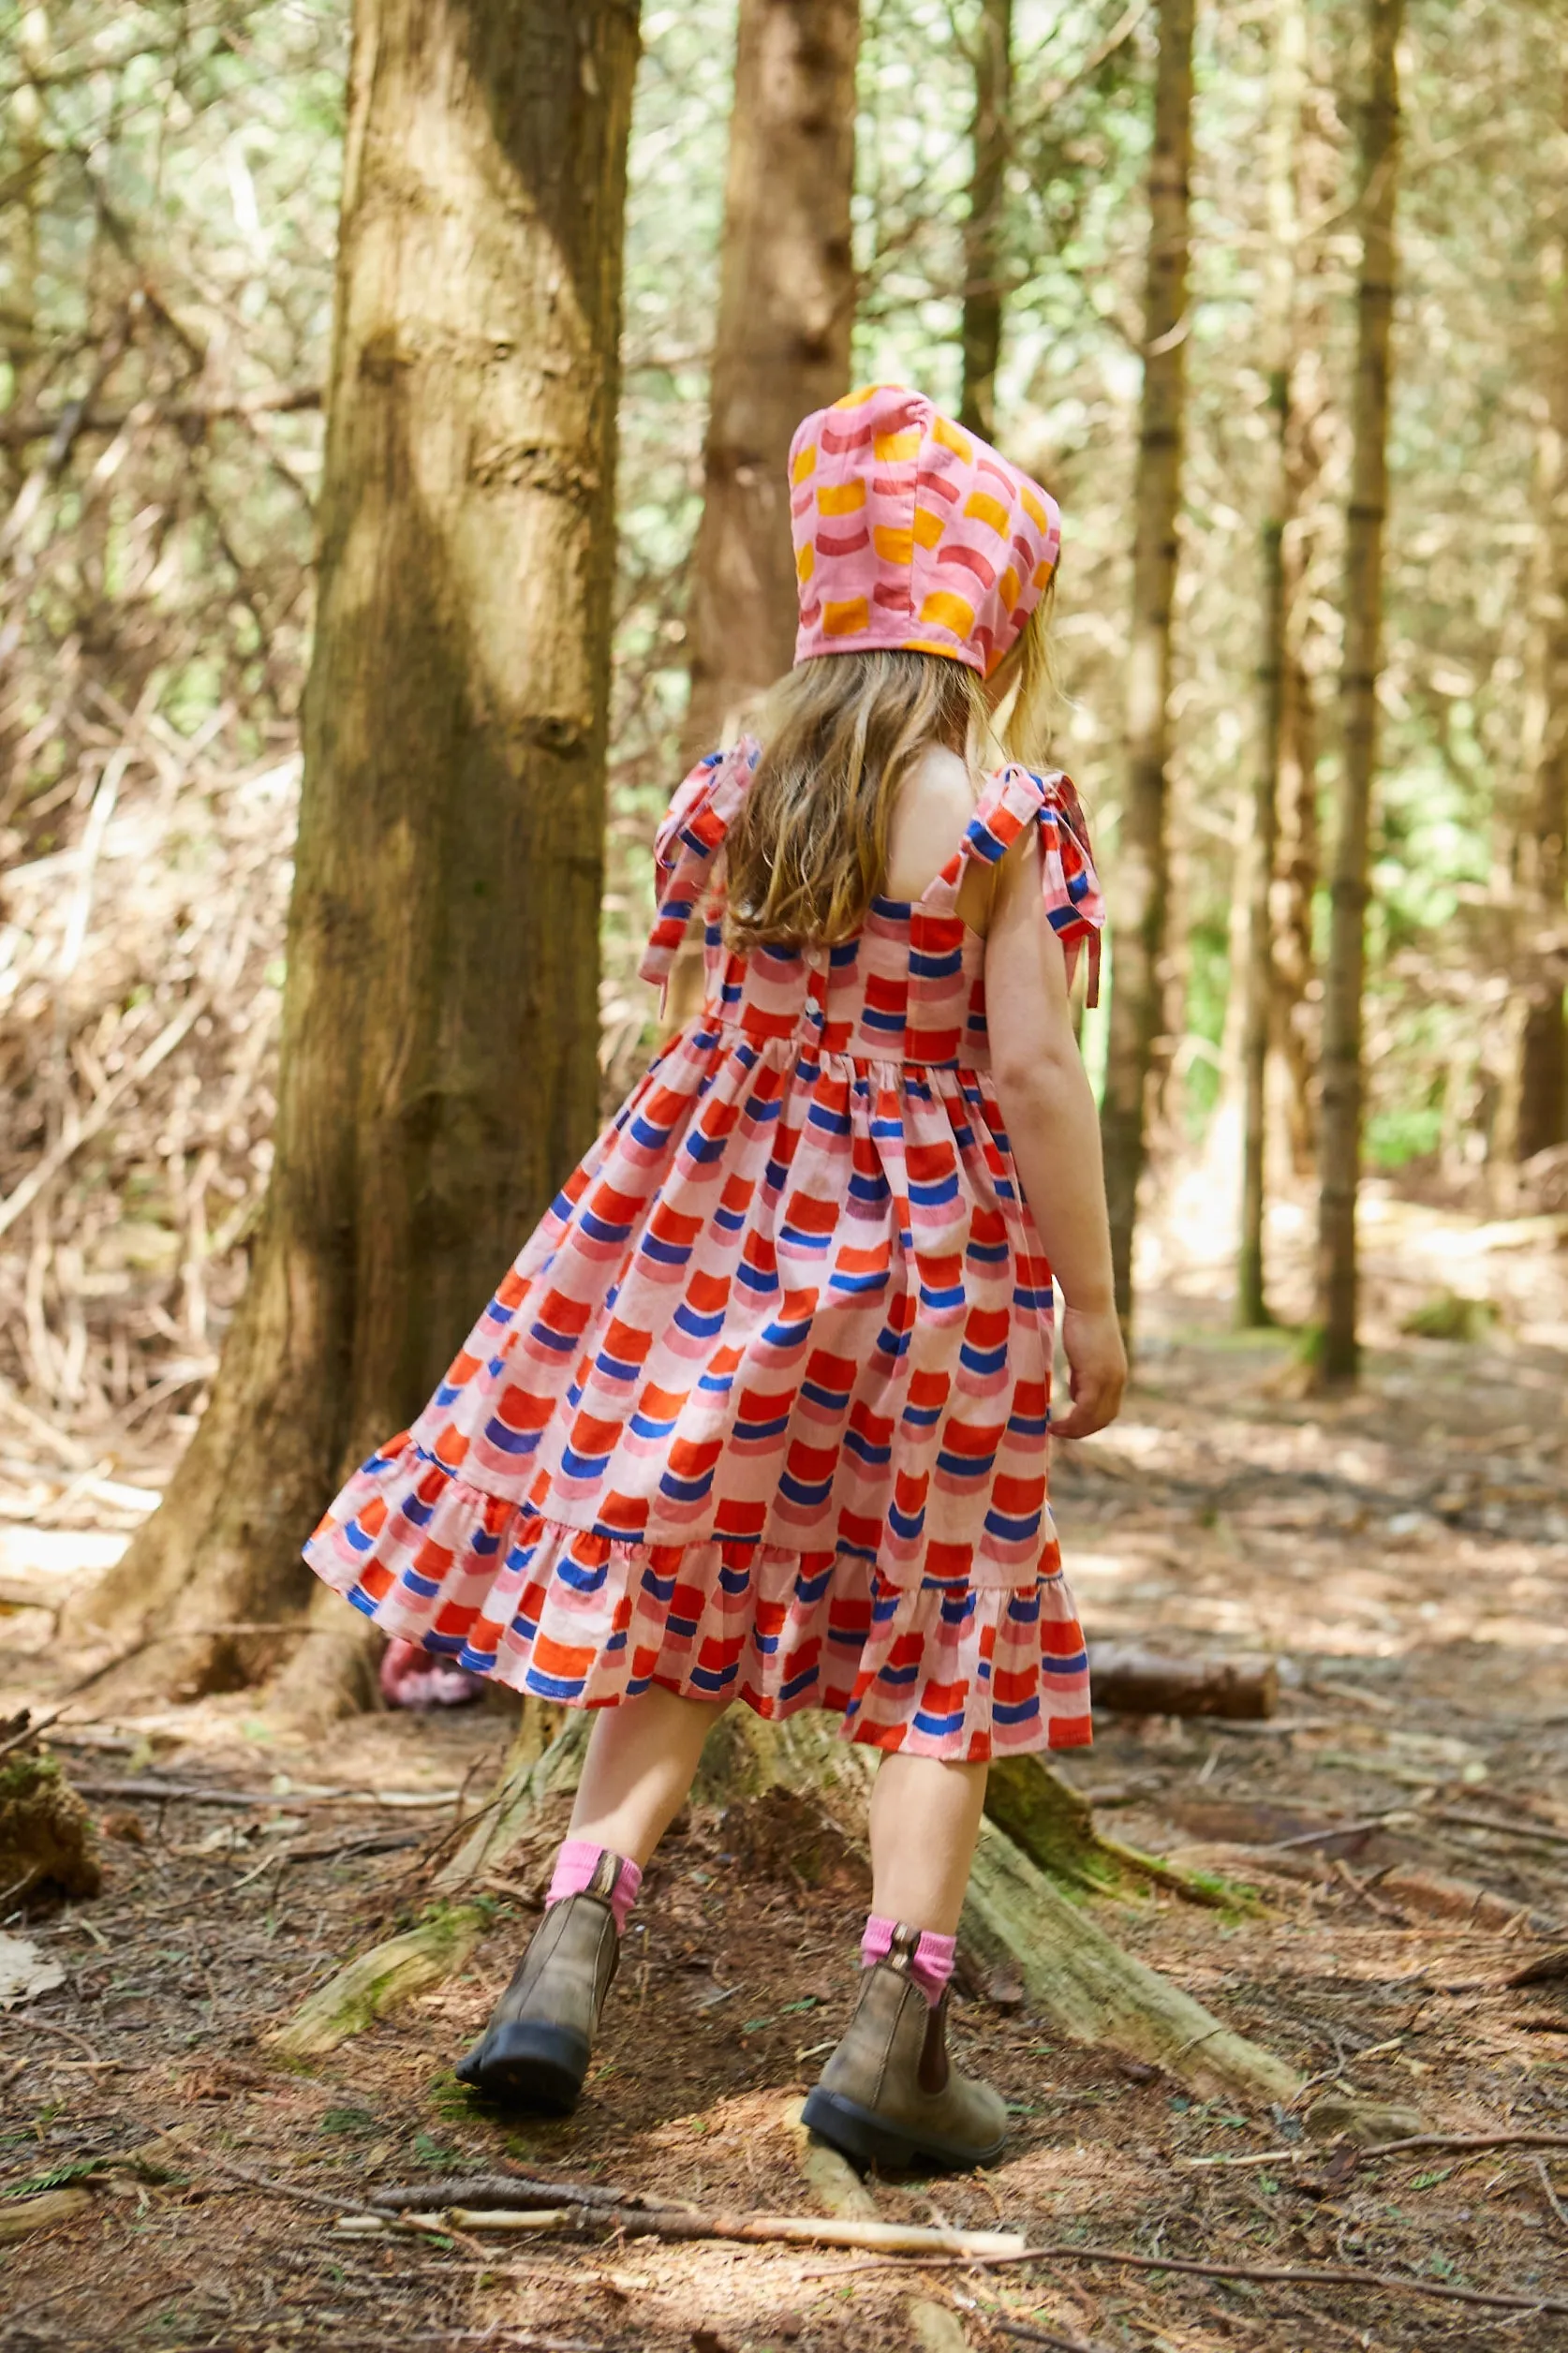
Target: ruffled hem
[940, 1668]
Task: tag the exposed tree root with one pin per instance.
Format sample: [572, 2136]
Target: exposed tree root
[1073, 1972]
[1084, 1981]
[333, 1671]
[1054, 1826]
[534, 1768]
[378, 1981]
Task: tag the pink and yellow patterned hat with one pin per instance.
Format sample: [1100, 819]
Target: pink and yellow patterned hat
[911, 534]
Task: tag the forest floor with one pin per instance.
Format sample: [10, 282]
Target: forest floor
[1402, 1822]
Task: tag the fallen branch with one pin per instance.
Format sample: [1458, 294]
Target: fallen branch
[1285, 2275]
[1467, 2141]
[1030, 2333]
[1474, 2142]
[202, 1794]
[516, 2191]
[1515, 1830]
[679, 2222]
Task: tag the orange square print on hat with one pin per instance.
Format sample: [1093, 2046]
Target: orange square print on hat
[911, 534]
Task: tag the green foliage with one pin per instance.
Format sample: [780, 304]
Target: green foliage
[55, 2176]
[361, 2122]
[1451, 1316]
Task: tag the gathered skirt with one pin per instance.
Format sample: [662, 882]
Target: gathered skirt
[937, 1666]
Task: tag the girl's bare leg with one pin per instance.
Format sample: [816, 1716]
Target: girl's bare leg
[642, 1759]
[925, 1821]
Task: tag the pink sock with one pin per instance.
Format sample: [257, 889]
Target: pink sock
[930, 1964]
[581, 1867]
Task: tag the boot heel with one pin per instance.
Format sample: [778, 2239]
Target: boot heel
[855, 2132]
[528, 2064]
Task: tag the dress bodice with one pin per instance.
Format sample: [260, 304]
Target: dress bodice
[909, 985]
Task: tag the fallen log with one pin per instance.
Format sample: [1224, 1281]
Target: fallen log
[1132, 1682]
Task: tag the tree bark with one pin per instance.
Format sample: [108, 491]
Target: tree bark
[1256, 976]
[439, 1017]
[1541, 1118]
[29, 161]
[1143, 856]
[1340, 1137]
[782, 347]
[984, 245]
[1297, 859]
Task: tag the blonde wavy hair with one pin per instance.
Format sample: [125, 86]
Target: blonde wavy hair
[807, 852]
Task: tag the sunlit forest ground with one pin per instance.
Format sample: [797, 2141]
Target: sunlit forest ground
[1392, 1844]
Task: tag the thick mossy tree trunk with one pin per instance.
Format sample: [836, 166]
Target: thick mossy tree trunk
[1255, 976]
[1541, 1118]
[1340, 1130]
[782, 347]
[438, 1058]
[985, 241]
[1143, 858]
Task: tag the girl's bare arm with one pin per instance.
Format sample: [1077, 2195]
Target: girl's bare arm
[1052, 1125]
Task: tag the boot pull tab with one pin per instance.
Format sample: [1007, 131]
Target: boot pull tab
[902, 1952]
[606, 1871]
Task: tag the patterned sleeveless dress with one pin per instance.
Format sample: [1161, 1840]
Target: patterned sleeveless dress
[761, 1410]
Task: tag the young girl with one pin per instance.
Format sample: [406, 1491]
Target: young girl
[760, 1410]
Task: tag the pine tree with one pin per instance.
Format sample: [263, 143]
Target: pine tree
[1143, 857]
[1541, 1118]
[1256, 978]
[439, 1069]
[1339, 1135]
[984, 244]
[781, 347]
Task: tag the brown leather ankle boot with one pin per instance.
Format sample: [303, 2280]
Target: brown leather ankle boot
[889, 2094]
[535, 2051]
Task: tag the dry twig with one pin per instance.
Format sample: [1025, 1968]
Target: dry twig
[1298, 2275]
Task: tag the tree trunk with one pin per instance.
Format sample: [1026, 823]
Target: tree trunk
[1256, 976]
[1143, 857]
[1296, 853]
[1339, 1139]
[782, 347]
[28, 162]
[440, 1016]
[1542, 1073]
[984, 245]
